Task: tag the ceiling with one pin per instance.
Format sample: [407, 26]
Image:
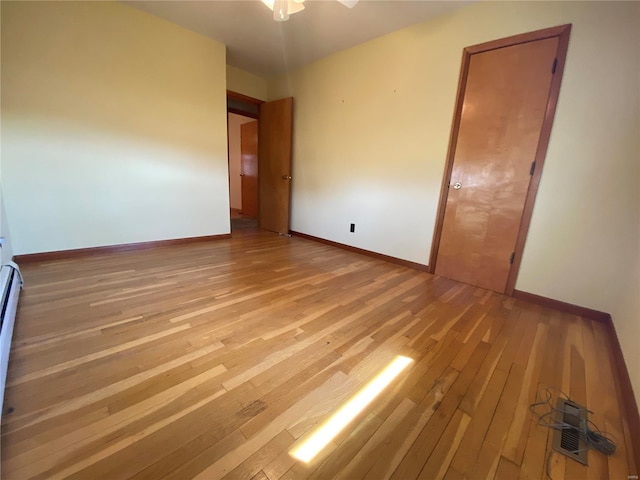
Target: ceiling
[258, 44]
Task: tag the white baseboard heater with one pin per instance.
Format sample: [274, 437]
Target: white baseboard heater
[10, 285]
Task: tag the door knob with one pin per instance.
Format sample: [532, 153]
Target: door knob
[456, 186]
[242, 174]
[286, 177]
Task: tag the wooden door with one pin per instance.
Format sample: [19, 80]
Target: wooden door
[249, 168]
[503, 119]
[274, 144]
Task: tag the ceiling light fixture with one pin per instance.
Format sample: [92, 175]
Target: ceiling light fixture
[283, 8]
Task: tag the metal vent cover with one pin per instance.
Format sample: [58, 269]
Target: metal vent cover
[569, 441]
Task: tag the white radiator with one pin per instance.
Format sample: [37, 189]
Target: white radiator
[10, 285]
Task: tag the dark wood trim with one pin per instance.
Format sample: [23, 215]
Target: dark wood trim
[562, 32]
[541, 153]
[626, 394]
[243, 113]
[562, 306]
[81, 252]
[361, 251]
[244, 98]
[534, 36]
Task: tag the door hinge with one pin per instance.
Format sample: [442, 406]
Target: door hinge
[533, 168]
[513, 257]
[555, 65]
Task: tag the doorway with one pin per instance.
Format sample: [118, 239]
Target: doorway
[260, 156]
[243, 171]
[243, 114]
[506, 102]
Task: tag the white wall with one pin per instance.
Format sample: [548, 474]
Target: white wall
[6, 252]
[241, 81]
[235, 158]
[372, 125]
[113, 127]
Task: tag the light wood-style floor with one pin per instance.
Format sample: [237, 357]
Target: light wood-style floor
[210, 360]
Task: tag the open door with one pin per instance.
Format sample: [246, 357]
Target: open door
[274, 164]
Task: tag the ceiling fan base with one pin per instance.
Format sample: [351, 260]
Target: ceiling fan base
[349, 3]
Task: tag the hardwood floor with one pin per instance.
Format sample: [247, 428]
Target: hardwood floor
[212, 360]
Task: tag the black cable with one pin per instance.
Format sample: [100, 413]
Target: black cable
[589, 432]
[596, 440]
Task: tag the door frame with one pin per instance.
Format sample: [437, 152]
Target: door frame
[562, 32]
[250, 103]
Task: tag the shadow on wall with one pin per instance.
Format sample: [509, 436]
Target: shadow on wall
[69, 186]
[113, 127]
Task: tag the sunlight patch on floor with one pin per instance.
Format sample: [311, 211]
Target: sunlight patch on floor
[326, 432]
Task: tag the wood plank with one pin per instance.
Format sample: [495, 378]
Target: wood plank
[598, 463]
[507, 470]
[465, 458]
[253, 465]
[438, 463]
[414, 460]
[515, 441]
[356, 468]
[605, 414]
[386, 458]
[489, 455]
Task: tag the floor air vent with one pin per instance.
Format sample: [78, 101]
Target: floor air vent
[569, 441]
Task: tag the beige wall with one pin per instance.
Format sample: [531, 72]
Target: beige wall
[371, 130]
[113, 127]
[235, 189]
[6, 252]
[246, 83]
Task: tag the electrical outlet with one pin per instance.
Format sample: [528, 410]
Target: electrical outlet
[352, 228]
